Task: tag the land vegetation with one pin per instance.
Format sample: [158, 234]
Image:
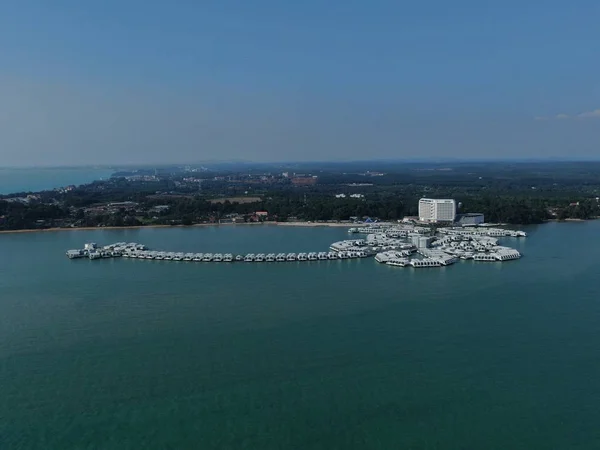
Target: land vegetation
[514, 193]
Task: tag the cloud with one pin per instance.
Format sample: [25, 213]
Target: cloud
[584, 115]
[594, 113]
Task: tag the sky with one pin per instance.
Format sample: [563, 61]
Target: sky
[132, 81]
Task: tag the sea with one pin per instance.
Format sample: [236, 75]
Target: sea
[38, 179]
[130, 354]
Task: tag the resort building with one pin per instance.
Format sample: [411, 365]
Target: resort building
[437, 210]
[470, 219]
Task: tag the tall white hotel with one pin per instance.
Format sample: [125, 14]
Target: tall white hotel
[437, 210]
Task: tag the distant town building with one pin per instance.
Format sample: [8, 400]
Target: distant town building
[160, 208]
[470, 219]
[437, 210]
[122, 205]
[142, 178]
[351, 196]
[304, 181]
[29, 198]
[193, 180]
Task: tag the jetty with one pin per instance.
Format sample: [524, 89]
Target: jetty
[138, 251]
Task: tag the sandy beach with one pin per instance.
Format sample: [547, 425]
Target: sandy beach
[288, 224]
[267, 224]
[315, 224]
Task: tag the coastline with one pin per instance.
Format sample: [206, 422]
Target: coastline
[289, 224]
[281, 224]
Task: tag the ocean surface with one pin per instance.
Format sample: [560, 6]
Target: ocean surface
[34, 180]
[128, 354]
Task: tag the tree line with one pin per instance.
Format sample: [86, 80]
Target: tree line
[76, 208]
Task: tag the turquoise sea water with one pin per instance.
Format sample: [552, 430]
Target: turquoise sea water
[128, 354]
[34, 180]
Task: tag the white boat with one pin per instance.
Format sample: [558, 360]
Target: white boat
[239, 258]
[280, 257]
[198, 257]
[312, 256]
[290, 257]
[218, 257]
[250, 257]
[228, 257]
[302, 257]
[332, 255]
[270, 257]
[322, 256]
[207, 257]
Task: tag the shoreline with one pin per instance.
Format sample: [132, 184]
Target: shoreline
[135, 227]
[284, 224]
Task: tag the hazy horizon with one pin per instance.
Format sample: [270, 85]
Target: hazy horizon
[86, 84]
[432, 161]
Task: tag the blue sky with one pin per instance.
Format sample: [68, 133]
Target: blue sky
[142, 81]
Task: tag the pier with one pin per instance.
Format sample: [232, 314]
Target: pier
[139, 251]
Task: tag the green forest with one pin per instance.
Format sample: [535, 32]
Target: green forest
[504, 194]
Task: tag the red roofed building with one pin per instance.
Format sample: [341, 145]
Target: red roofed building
[304, 181]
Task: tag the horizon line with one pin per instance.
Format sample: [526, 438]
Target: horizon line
[432, 160]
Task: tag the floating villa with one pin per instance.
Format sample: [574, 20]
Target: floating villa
[394, 245]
